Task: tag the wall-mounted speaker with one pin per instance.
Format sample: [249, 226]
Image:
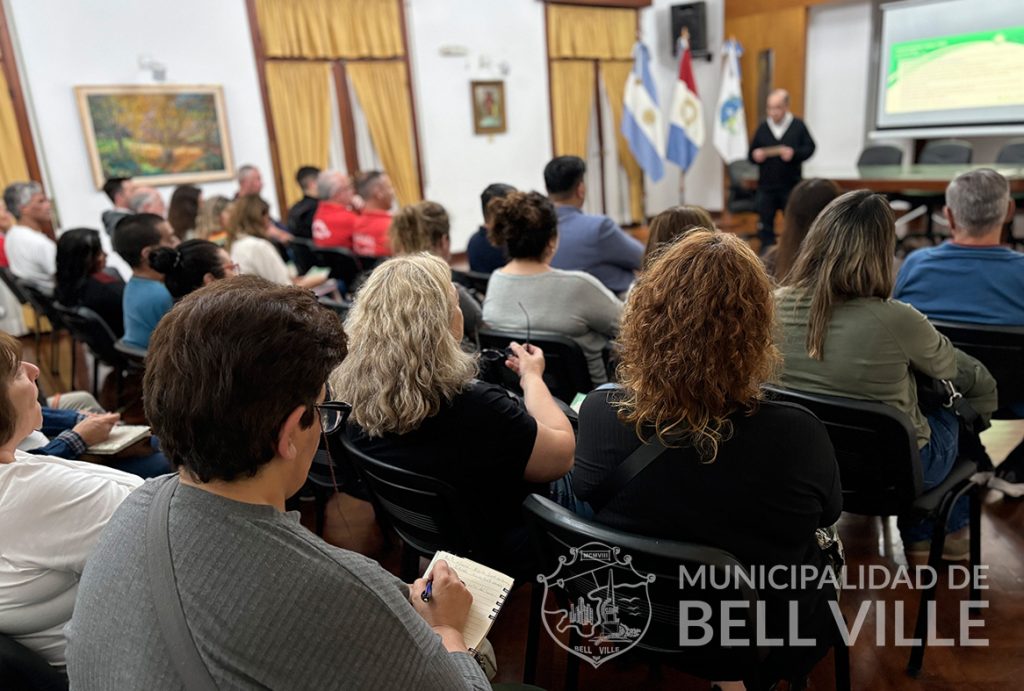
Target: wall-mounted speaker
[694, 17]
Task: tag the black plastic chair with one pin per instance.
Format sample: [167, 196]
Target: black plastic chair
[341, 307]
[14, 286]
[880, 155]
[22, 669]
[565, 369]
[421, 509]
[475, 281]
[345, 266]
[946, 151]
[557, 533]
[880, 468]
[133, 355]
[1012, 153]
[88, 327]
[42, 306]
[303, 253]
[1000, 349]
[741, 200]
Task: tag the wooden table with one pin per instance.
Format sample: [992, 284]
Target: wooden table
[904, 178]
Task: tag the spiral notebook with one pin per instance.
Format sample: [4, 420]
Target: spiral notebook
[489, 589]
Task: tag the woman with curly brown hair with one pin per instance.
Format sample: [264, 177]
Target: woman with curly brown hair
[749, 476]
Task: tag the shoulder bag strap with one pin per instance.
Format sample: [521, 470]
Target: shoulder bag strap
[626, 471]
[169, 614]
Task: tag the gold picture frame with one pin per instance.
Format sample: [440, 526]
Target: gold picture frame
[160, 134]
[488, 102]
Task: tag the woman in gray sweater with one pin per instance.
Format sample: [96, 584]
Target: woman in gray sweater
[571, 303]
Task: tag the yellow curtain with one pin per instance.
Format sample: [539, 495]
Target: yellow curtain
[330, 28]
[301, 108]
[614, 74]
[602, 33]
[572, 97]
[12, 156]
[383, 92]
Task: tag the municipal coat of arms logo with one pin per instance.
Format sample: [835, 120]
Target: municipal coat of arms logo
[608, 602]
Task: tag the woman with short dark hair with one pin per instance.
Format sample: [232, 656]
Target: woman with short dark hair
[805, 202]
[235, 387]
[191, 265]
[527, 291]
[671, 223]
[83, 280]
[183, 210]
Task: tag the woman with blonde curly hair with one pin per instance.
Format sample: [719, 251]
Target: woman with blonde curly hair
[753, 477]
[416, 403]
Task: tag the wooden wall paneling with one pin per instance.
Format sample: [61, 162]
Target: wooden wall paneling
[10, 69]
[348, 125]
[261, 62]
[785, 32]
[412, 99]
[635, 4]
[742, 8]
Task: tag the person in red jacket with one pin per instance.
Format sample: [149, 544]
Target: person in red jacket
[370, 236]
[335, 218]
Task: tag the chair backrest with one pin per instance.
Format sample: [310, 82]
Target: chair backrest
[423, 510]
[565, 366]
[14, 285]
[22, 669]
[340, 307]
[946, 151]
[344, 266]
[302, 250]
[739, 171]
[880, 155]
[584, 560]
[876, 448]
[1012, 153]
[89, 328]
[474, 280]
[40, 303]
[999, 348]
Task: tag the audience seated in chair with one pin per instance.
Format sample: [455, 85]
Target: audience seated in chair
[335, 218]
[250, 184]
[670, 224]
[300, 216]
[183, 211]
[213, 220]
[243, 444]
[805, 202]
[146, 200]
[483, 256]
[146, 299]
[528, 292]
[120, 192]
[192, 265]
[252, 251]
[370, 234]
[417, 405]
[424, 227]
[52, 511]
[83, 279]
[841, 334]
[30, 252]
[595, 244]
[752, 477]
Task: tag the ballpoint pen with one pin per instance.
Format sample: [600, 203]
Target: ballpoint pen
[426, 593]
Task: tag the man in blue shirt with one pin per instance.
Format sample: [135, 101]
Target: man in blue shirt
[973, 278]
[146, 299]
[482, 255]
[595, 244]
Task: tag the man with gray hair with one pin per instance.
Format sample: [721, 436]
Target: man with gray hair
[31, 253]
[335, 218]
[146, 200]
[971, 278]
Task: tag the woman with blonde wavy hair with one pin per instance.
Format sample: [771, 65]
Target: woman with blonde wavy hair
[416, 403]
[753, 477]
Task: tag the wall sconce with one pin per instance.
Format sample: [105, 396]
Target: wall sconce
[157, 70]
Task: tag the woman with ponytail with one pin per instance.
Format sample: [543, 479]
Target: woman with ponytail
[191, 265]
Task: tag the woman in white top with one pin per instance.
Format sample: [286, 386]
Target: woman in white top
[572, 303]
[252, 251]
[52, 512]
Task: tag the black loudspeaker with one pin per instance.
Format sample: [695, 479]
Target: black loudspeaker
[694, 17]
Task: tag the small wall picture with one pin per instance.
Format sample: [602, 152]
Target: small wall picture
[163, 134]
[488, 107]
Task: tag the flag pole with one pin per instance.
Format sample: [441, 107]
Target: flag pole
[683, 41]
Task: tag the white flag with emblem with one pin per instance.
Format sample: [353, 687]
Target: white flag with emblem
[730, 135]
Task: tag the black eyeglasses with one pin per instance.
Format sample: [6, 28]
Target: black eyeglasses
[527, 326]
[333, 414]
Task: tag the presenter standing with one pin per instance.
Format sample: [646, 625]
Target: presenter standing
[780, 146]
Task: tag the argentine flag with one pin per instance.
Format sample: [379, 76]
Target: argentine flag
[686, 124]
[641, 117]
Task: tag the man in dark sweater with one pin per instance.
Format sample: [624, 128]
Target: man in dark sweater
[780, 146]
[300, 216]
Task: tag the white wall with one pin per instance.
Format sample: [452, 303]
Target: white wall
[458, 165]
[65, 44]
[703, 183]
[836, 82]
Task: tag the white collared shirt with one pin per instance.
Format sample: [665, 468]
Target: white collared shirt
[780, 129]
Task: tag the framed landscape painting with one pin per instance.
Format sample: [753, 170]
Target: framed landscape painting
[162, 134]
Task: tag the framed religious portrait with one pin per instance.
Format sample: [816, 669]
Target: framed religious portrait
[488, 100]
[161, 134]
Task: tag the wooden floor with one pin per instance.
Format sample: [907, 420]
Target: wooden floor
[997, 665]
